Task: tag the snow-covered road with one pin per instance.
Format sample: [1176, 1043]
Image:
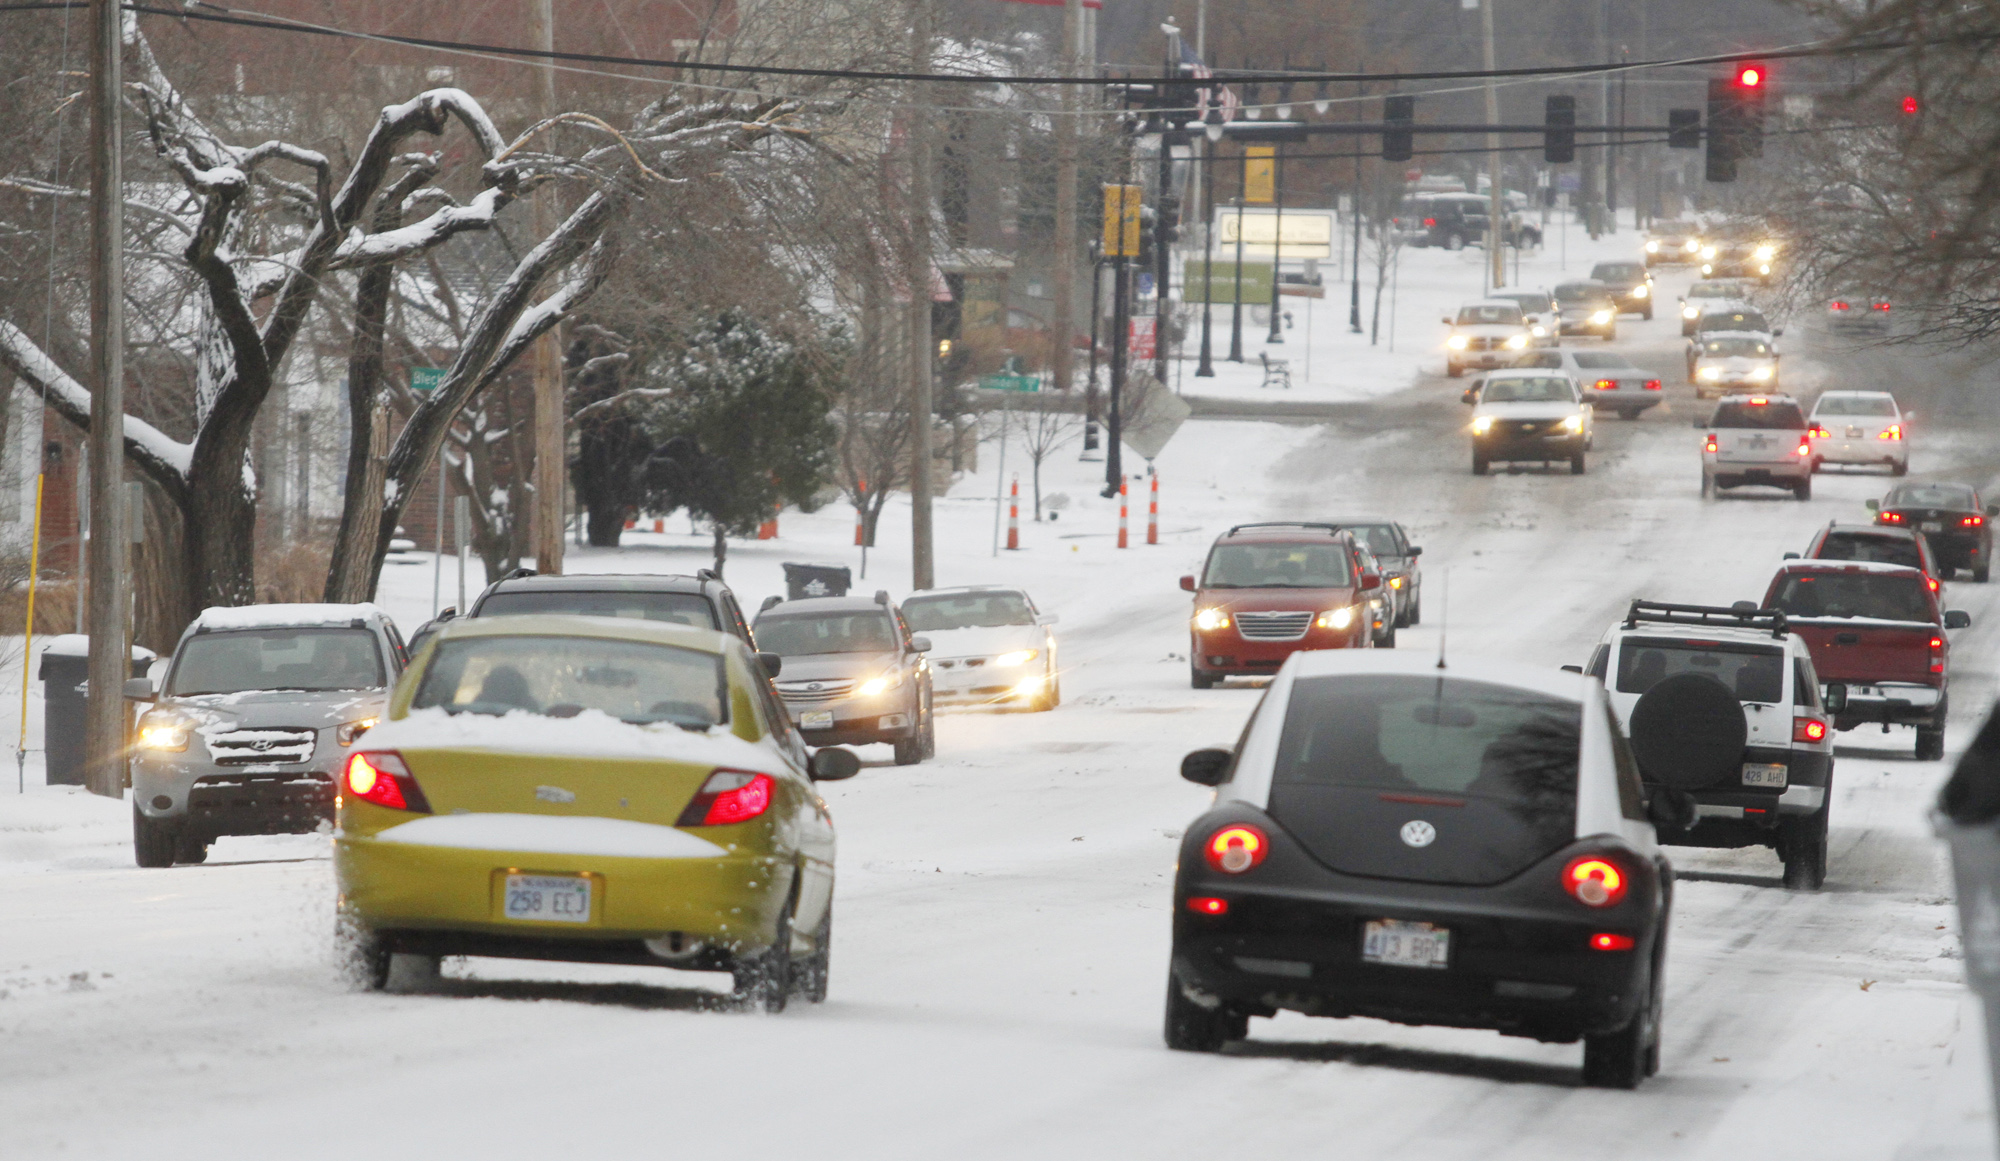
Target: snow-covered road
[1003, 911]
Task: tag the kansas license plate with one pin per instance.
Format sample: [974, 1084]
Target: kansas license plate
[1399, 943]
[547, 898]
[816, 720]
[1933, 526]
[1765, 774]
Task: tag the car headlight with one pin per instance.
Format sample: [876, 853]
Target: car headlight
[1336, 618]
[1641, 290]
[166, 734]
[1765, 253]
[1396, 582]
[883, 684]
[346, 734]
[1211, 619]
[1760, 374]
[1456, 342]
[1708, 252]
[1572, 423]
[1764, 269]
[1652, 247]
[1707, 269]
[1516, 342]
[1539, 331]
[1692, 245]
[1690, 312]
[1601, 317]
[1709, 373]
[1017, 657]
[1482, 425]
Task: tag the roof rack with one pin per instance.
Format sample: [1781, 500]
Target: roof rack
[1332, 529]
[1751, 617]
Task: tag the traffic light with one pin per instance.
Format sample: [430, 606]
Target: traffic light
[1735, 119]
[1683, 128]
[1169, 222]
[1559, 138]
[1398, 144]
[1752, 82]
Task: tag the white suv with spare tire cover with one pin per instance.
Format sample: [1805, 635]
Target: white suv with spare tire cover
[1726, 718]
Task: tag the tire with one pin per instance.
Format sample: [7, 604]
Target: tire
[765, 982]
[1900, 469]
[809, 980]
[360, 955]
[1803, 489]
[191, 847]
[1417, 612]
[1453, 370]
[1388, 640]
[1051, 696]
[1480, 464]
[1454, 241]
[910, 750]
[1193, 1028]
[1649, 314]
[1980, 574]
[153, 843]
[1200, 680]
[1930, 743]
[1816, 466]
[1611, 336]
[1802, 846]
[1576, 464]
[1618, 1059]
[930, 730]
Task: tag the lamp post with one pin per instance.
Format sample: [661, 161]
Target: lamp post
[1354, 294]
[1206, 368]
[1277, 236]
[1236, 306]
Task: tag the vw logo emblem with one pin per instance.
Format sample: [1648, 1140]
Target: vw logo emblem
[1418, 833]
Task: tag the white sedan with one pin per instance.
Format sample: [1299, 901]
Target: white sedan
[989, 646]
[1859, 427]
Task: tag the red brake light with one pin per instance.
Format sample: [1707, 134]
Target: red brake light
[1710, 445]
[1888, 517]
[379, 776]
[728, 797]
[1910, 105]
[1808, 730]
[1208, 905]
[1606, 385]
[1236, 848]
[1931, 581]
[1971, 521]
[1758, 401]
[1611, 941]
[1816, 431]
[1836, 304]
[1429, 222]
[1893, 431]
[1937, 655]
[1805, 447]
[1881, 306]
[1652, 384]
[1750, 76]
[1594, 881]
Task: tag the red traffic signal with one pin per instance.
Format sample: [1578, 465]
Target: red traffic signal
[1750, 76]
[1910, 106]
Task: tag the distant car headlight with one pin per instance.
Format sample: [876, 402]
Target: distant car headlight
[1641, 291]
[1516, 342]
[1652, 247]
[1601, 317]
[1572, 423]
[883, 684]
[1396, 582]
[1765, 252]
[1693, 244]
[1760, 374]
[1211, 619]
[1017, 657]
[1707, 269]
[346, 734]
[165, 734]
[1708, 252]
[1482, 425]
[1456, 342]
[1690, 312]
[1336, 618]
[1710, 374]
[1764, 269]
[1539, 331]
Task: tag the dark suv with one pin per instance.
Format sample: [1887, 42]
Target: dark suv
[1401, 575]
[1270, 590]
[701, 600]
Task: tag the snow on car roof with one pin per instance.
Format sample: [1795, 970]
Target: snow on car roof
[575, 625]
[1843, 394]
[1683, 631]
[590, 734]
[1819, 564]
[286, 616]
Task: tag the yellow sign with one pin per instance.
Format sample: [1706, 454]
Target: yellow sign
[1260, 174]
[1121, 220]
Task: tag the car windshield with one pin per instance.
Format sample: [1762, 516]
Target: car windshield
[1751, 672]
[1733, 320]
[1896, 597]
[1672, 229]
[1486, 313]
[1576, 294]
[258, 659]
[1541, 360]
[1528, 391]
[966, 611]
[1736, 349]
[803, 634]
[1380, 538]
[1759, 415]
[1278, 566]
[1932, 496]
[1864, 405]
[1527, 302]
[1871, 546]
[1715, 290]
[677, 608]
[1618, 271]
[561, 677]
[1592, 361]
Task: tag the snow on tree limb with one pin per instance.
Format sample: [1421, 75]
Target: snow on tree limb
[167, 461]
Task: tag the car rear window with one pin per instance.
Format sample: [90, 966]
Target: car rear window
[1855, 405]
[674, 608]
[1931, 496]
[1380, 538]
[1751, 672]
[1617, 271]
[1897, 597]
[1278, 566]
[1867, 546]
[1579, 294]
[1592, 361]
[561, 677]
[1715, 290]
[966, 611]
[1772, 416]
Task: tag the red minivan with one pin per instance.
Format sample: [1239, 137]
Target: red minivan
[1269, 590]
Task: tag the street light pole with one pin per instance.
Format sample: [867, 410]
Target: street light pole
[1354, 293]
[106, 716]
[1277, 237]
[1496, 219]
[1236, 306]
[1206, 368]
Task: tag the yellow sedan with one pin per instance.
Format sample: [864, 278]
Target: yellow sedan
[588, 789]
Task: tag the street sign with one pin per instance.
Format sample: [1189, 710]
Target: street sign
[1307, 233]
[1260, 174]
[1197, 286]
[1151, 414]
[1143, 337]
[1006, 382]
[424, 380]
[1121, 220]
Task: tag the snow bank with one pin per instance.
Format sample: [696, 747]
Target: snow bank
[590, 734]
[267, 616]
[553, 835]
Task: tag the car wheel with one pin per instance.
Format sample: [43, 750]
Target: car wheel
[1981, 573]
[1480, 465]
[764, 982]
[1454, 241]
[809, 982]
[1816, 465]
[1649, 314]
[930, 730]
[1193, 1028]
[360, 954]
[1453, 370]
[1611, 335]
[1388, 639]
[1803, 489]
[1901, 468]
[153, 842]
[1417, 613]
[1618, 1059]
[1802, 846]
[1576, 464]
[1947, 572]
[1200, 680]
[190, 847]
[910, 750]
[1930, 743]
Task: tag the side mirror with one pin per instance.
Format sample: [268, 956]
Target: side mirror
[1414, 551]
[1957, 619]
[447, 613]
[833, 764]
[1207, 767]
[1993, 509]
[1572, 669]
[1370, 581]
[920, 644]
[1447, 322]
[1872, 505]
[1047, 619]
[1833, 696]
[1470, 397]
[1791, 556]
[1777, 332]
[770, 663]
[140, 689]
[1187, 584]
[770, 603]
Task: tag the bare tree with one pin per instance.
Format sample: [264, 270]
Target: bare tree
[1048, 422]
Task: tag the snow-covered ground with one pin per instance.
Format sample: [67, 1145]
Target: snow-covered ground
[1003, 910]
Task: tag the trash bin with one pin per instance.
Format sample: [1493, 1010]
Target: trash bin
[816, 580]
[1968, 818]
[64, 672]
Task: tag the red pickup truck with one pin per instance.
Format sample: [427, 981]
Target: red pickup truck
[1877, 639]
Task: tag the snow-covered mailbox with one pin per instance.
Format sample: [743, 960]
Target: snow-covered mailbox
[65, 666]
[1968, 817]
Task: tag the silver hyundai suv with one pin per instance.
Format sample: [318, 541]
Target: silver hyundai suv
[248, 730]
[852, 673]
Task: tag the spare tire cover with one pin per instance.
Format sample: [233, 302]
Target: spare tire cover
[1688, 732]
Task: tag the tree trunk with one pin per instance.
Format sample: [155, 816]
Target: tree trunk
[721, 550]
[1037, 476]
[349, 577]
[605, 522]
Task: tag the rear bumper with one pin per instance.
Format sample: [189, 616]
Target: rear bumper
[1730, 474]
[1860, 451]
[1623, 400]
[1896, 703]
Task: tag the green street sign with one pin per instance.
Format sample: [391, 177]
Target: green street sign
[424, 380]
[1011, 382]
[1199, 287]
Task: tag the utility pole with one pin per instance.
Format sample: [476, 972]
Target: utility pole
[551, 442]
[1165, 198]
[1206, 368]
[1605, 154]
[106, 716]
[1277, 239]
[918, 276]
[1354, 288]
[1065, 255]
[1496, 212]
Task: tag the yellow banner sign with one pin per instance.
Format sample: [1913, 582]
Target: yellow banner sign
[1121, 220]
[1260, 174]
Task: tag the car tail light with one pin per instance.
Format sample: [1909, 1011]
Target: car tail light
[380, 777]
[1606, 385]
[728, 797]
[1836, 304]
[1808, 730]
[1611, 941]
[1710, 445]
[1805, 446]
[1595, 881]
[1429, 222]
[1888, 517]
[1816, 431]
[1759, 401]
[1881, 306]
[1971, 521]
[1236, 848]
[1207, 905]
[1937, 655]
[1652, 384]
[1931, 581]
[1893, 431]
